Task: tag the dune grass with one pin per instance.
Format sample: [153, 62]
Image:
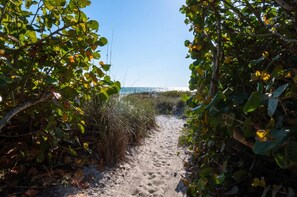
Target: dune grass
[124, 121]
[163, 103]
[116, 125]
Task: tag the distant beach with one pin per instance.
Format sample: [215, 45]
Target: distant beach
[130, 90]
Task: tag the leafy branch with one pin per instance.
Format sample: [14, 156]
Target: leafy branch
[20, 108]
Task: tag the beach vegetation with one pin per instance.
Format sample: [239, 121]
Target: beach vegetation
[57, 110]
[163, 103]
[241, 128]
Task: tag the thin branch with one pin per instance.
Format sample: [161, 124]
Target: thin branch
[238, 13]
[39, 6]
[258, 16]
[288, 40]
[43, 39]
[217, 55]
[20, 108]
[285, 5]
[4, 10]
[240, 138]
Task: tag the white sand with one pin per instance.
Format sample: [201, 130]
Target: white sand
[154, 169]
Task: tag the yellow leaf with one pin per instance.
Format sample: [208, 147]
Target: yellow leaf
[257, 73]
[262, 135]
[86, 85]
[86, 146]
[200, 71]
[227, 60]
[265, 54]
[259, 183]
[101, 63]
[205, 3]
[197, 29]
[265, 76]
[288, 75]
[197, 47]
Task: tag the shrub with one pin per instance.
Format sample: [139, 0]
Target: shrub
[242, 125]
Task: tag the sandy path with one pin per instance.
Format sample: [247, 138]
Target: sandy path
[153, 170]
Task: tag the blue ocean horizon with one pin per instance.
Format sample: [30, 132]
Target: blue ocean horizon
[130, 90]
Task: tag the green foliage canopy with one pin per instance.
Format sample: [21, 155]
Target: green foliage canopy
[47, 51]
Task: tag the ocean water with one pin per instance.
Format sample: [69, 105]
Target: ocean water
[130, 90]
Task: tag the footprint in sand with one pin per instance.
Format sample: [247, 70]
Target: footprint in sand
[153, 170]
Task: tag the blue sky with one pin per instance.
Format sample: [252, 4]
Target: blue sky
[147, 47]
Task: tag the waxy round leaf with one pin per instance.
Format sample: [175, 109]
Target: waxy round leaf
[272, 105]
[253, 102]
[94, 25]
[273, 102]
[263, 148]
[102, 41]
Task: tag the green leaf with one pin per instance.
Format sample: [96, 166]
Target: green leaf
[94, 25]
[31, 35]
[260, 87]
[263, 148]
[281, 160]
[273, 102]
[247, 128]
[98, 71]
[220, 179]
[96, 55]
[217, 98]
[280, 90]
[69, 92]
[112, 90]
[84, 3]
[72, 152]
[107, 79]
[81, 128]
[205, 172]
[272, 105]
[258, 61]
[102, 41]
[5, 80]
[106, 67]
[51, 81]
[239, 175]
[292, 151]
[103, 95]
[199, 108]
[253, 102]
[117, 85]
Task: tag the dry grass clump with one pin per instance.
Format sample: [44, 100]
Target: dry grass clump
[115, 125]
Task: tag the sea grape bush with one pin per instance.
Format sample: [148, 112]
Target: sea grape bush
[244, 73]
[48, 70]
